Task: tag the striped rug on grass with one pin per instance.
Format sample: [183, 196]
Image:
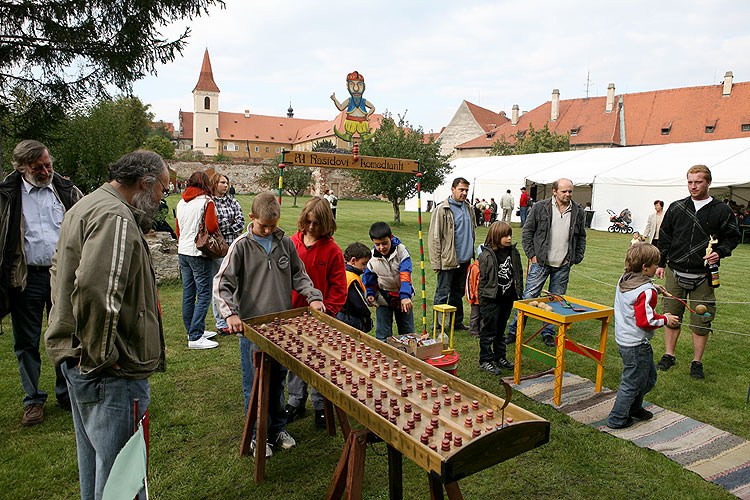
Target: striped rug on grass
[715, 455]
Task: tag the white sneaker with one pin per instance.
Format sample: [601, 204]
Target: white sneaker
[208, 334]
[285, 440]
[269, 452]
[202, 343]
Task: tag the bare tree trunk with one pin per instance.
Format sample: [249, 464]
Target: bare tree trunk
[396, 212]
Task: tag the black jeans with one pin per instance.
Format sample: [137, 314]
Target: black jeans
[451, 286]
[494, 314]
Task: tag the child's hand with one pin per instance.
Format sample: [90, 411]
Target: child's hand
[672, 320]
[406, 305]
[371, 300]
[318, 305]
[235, 324]
[660, 288]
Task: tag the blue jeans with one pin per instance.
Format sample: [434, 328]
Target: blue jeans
[638, 377]
[103, 420]
[196, 293]
[384, 322]
[524, 213]
[27, 310]
[220, 322]
[558, 284]
[276, 412]
[451, 286]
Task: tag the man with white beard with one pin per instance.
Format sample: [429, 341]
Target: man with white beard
[33, 200]
[105, 327]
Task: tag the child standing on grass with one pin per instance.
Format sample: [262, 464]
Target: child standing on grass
[635, 322]
[257, 277]
[356, 312]
[500, 283]
[387, 280]
[324, 263]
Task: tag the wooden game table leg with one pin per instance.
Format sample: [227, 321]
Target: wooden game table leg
[395, 474]
[330, 422]
[436, 489]
[603, 353]
[257, 410]
[343, 422]
[519, 346]
[559, 363]
[349, 473]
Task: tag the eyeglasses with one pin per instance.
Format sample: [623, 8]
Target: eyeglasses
[165, 190]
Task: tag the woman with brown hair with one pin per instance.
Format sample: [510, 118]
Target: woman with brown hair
[195, 268]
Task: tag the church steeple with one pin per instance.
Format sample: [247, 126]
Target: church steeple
[206, 79]
[290, 111]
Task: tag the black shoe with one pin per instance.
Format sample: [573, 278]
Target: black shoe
[64, 404]
[666, 362]
[490, 368]
[624, 425]
[696, 370]
[459, 326]
[510, 339]
[549, 341]
[294, 413]
[504, 363]
[320, 419]
[474, 335]
[642, 414]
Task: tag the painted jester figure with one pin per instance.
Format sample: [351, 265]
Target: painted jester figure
[358, 109]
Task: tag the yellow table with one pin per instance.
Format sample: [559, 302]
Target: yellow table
[564, 319]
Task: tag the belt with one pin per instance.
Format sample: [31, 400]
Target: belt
[40, 269]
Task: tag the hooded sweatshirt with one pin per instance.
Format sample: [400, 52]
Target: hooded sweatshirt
[635, 314]
[189, 214]
[324, 263]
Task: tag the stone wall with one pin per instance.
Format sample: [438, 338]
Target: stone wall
[163, 256]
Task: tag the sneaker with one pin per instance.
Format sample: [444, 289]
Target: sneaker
[224, 331]
[285, 440]
[208, 334]
[294, 413]
[696, 370]
[320, 419]
[549, 341]
[504, 363]
[665, 363]
[642, 414]
[33, 414]
[202, 343]
[490, 368]
[629, 422]
[269, 452]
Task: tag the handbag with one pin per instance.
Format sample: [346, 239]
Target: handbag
[211, 245]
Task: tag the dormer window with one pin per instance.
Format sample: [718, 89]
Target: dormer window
[745, 127]
[490, 135]
[574, 131]
[711, 126]
[666, 128]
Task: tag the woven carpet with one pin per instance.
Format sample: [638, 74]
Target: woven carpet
[715, 455]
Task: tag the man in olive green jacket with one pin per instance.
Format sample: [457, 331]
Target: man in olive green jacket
[105, 325]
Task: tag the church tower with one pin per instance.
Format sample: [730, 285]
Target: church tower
[206, 110]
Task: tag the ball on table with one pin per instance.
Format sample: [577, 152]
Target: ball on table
[701, 309]
[534, 303]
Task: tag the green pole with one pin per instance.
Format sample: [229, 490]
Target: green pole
[421, 247]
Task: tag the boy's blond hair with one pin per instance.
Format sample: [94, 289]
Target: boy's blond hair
[700, 169]
[320, 209]
[639, 255]
[266, 207]
[498, 230]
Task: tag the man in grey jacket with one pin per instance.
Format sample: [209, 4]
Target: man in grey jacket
[554, 238]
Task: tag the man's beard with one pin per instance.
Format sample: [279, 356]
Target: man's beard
[36, 181]
[356, 98]
[144, 201]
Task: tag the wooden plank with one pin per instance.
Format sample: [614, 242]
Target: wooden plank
[330, 422]
[252, 409]
[338, 481]
[454, 492]
[343, 422]
[356, 468]
[262, 427]
[347, 161]
[395, 474]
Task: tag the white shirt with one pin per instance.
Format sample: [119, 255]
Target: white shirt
[42, 216]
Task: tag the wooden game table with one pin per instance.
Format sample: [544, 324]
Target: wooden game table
[447, 426]
[564, 318]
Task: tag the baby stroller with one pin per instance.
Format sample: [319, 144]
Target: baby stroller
[620, 223]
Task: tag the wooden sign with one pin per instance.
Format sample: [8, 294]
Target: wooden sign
[336, 160]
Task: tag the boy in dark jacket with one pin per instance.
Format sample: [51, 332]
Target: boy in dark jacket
[355, 312]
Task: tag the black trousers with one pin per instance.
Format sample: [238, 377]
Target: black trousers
[494, 314]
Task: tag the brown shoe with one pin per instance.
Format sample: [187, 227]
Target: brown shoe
[33, 414]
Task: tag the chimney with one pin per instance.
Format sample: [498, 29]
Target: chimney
[610, 98]
[555, 111]
[514, 115]
[247, 113]
[728, 77]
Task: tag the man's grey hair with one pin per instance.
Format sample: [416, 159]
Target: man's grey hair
[26, 152]
[135, 166]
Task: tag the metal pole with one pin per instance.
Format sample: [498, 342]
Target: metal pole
[421, 247]
[281, 179]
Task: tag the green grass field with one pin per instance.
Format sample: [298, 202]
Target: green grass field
[197, 407]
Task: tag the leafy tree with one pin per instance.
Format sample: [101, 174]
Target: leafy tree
[323, 145]
[531, 141]
[221, 157]
[401, 140]
[99, 135]
[159, 144]
[160, 128]
[297, 179]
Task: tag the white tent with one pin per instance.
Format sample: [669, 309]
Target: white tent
[611, 178]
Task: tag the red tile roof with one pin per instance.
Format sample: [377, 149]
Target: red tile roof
[431, 135]
[325, 128]
[235, 126]
[186, 124]
[686, 112]
[168, 126]
[485, 118]
[206, 78]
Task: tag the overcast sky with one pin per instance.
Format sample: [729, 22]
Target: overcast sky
[425, 57]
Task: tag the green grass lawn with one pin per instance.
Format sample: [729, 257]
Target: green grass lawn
[197, 406]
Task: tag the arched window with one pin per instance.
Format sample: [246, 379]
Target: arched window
[206, 102]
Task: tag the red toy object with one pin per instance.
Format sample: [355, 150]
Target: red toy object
[446, 362]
